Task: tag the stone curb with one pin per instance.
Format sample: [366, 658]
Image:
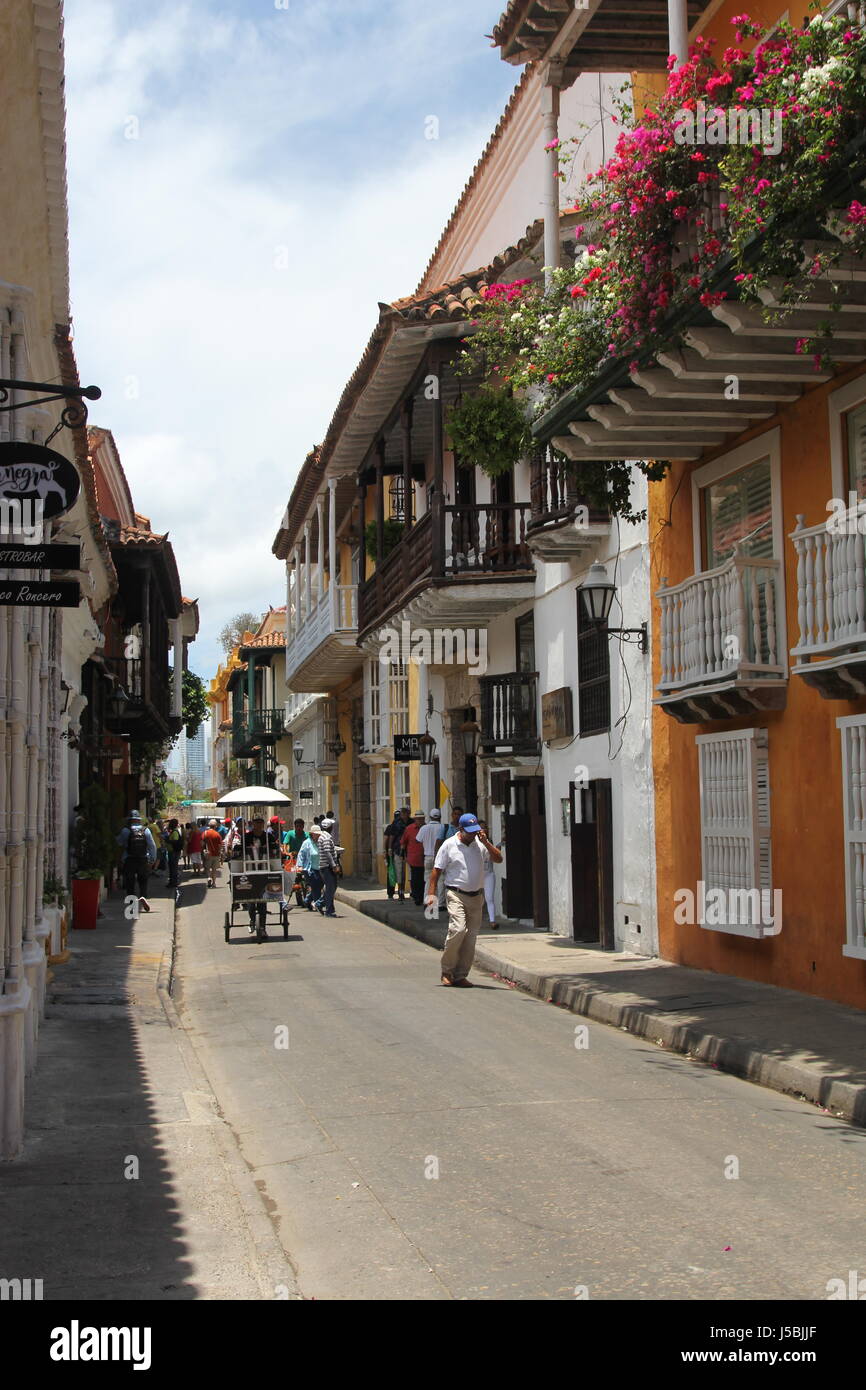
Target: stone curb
[846, 1099]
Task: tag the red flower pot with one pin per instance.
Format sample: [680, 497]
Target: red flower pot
[85, 903]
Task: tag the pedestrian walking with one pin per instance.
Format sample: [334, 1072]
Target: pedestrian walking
[156, 829]
[294, 838]
[454, 823]
[393, 853]
[489, 880]
[173, 838]
[193, 848]
[138, 856]
[327, 868]
[459, 862]
[413, 850]
[261, 846]
[308, 864]
[212, 849]
[430, 836]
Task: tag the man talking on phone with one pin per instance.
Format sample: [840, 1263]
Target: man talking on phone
[460, 863]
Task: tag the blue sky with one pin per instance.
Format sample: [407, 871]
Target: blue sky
[246, 182]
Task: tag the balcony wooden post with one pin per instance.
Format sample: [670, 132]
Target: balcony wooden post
[406, 425]
[380, 502]
[308, 587]
[320, 518]
[437, 502]
[361, 504]
[146, 651]
[333, 566]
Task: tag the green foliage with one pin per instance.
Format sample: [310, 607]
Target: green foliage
[392, 536]
[196, 706]
[489, 430]
[95, 836]
[52, 888]
[170, 794]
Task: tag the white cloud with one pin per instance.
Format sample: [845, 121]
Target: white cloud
[251, 148]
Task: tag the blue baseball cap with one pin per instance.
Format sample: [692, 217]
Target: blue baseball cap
[469, 823]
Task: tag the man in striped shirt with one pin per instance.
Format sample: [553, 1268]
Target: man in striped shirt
[328, 869]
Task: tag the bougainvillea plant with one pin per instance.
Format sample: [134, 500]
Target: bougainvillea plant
[733, 146]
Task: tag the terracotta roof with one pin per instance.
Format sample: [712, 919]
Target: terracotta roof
[484, 159]
[263, 639]
[96, 437]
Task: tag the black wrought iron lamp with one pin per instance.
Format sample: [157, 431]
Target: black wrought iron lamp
[470, 732]
[597, 594]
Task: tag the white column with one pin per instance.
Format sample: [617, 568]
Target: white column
[678, 31]
[308, 588]
[320, 503]
[296, 557]
[177, 657]
[333, 566]
[550, 196]
[289, 633]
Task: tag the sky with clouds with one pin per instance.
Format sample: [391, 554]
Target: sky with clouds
[247, 179]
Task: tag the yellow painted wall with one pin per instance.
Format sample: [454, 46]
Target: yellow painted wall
[804, 754]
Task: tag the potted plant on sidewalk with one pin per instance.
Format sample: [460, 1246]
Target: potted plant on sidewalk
[95, 853]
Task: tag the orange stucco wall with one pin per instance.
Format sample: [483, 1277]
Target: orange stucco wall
[804, 753]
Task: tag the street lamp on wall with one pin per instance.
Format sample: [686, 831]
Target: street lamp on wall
[427, 749]
[298, 755]
[470, 732]
[597, 594]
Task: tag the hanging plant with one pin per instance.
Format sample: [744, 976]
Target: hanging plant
[392, 536]
[489, 430]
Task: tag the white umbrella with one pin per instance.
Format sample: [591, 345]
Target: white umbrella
[255, 796]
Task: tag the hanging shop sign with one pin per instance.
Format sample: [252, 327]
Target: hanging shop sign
[407, 748]
[40, 557]
[39, 593]
[31, 473]
[556, 716]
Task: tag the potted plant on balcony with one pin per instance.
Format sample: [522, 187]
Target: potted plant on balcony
[95, 852]
[392, 535]
[489, 430]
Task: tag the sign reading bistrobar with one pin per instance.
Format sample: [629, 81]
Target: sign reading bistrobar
[33, 474]
[40, 557]
[39, 593]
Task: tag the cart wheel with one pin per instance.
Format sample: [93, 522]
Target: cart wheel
[260, 932]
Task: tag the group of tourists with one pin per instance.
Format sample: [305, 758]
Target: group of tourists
[315, 856]
[412, 842]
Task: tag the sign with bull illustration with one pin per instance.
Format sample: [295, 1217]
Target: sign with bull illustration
[32, 473]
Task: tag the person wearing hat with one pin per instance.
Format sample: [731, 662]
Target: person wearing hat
[327, 868]
[460, 863]
[307, 863]
[138, 856]
[431, 836]
[212, 847]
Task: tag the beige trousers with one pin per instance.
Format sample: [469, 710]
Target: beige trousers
[464, 919]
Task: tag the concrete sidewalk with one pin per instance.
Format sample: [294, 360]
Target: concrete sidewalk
[130, 1185]
[791, 1042]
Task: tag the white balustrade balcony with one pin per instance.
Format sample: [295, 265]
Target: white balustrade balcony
[831, 604]
[722, 642]
[321, 644]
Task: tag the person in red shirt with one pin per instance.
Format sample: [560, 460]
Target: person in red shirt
[212, 842]
[413, 848]
[193, 848]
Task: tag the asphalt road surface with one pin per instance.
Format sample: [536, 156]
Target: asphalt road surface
[415, 1142]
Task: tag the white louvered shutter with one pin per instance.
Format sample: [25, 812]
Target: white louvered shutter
[857, 451]
[736, 851]
[853, 729]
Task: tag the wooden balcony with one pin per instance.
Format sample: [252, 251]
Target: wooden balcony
[458, 565]
[722, 637]
[562, 524]
[146, 712]
[254, 729]
[509, 714]
[322, 643]
[831, 604]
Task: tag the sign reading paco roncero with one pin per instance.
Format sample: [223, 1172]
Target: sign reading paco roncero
[39, 593]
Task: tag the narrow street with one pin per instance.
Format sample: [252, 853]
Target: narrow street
[413, 1142]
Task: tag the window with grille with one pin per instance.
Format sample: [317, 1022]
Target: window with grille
[383, 801]
[856, 439]
[402, 789]
[398, 698]
[593, 674]
[374, 704]
[738, 513]
[853, 730]
[736, 854]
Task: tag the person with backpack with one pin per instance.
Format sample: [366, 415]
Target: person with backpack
[393, 853]
[138, 856]
[173, 838]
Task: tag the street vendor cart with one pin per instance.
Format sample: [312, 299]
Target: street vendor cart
[260, 885]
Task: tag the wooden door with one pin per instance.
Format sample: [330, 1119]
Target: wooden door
[592, 862]
[540, 902]
[517, 885]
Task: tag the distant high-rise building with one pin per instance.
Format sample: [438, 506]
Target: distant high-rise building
[197, 771]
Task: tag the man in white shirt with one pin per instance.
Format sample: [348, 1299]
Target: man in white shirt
[459, 862]
[430, 836]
